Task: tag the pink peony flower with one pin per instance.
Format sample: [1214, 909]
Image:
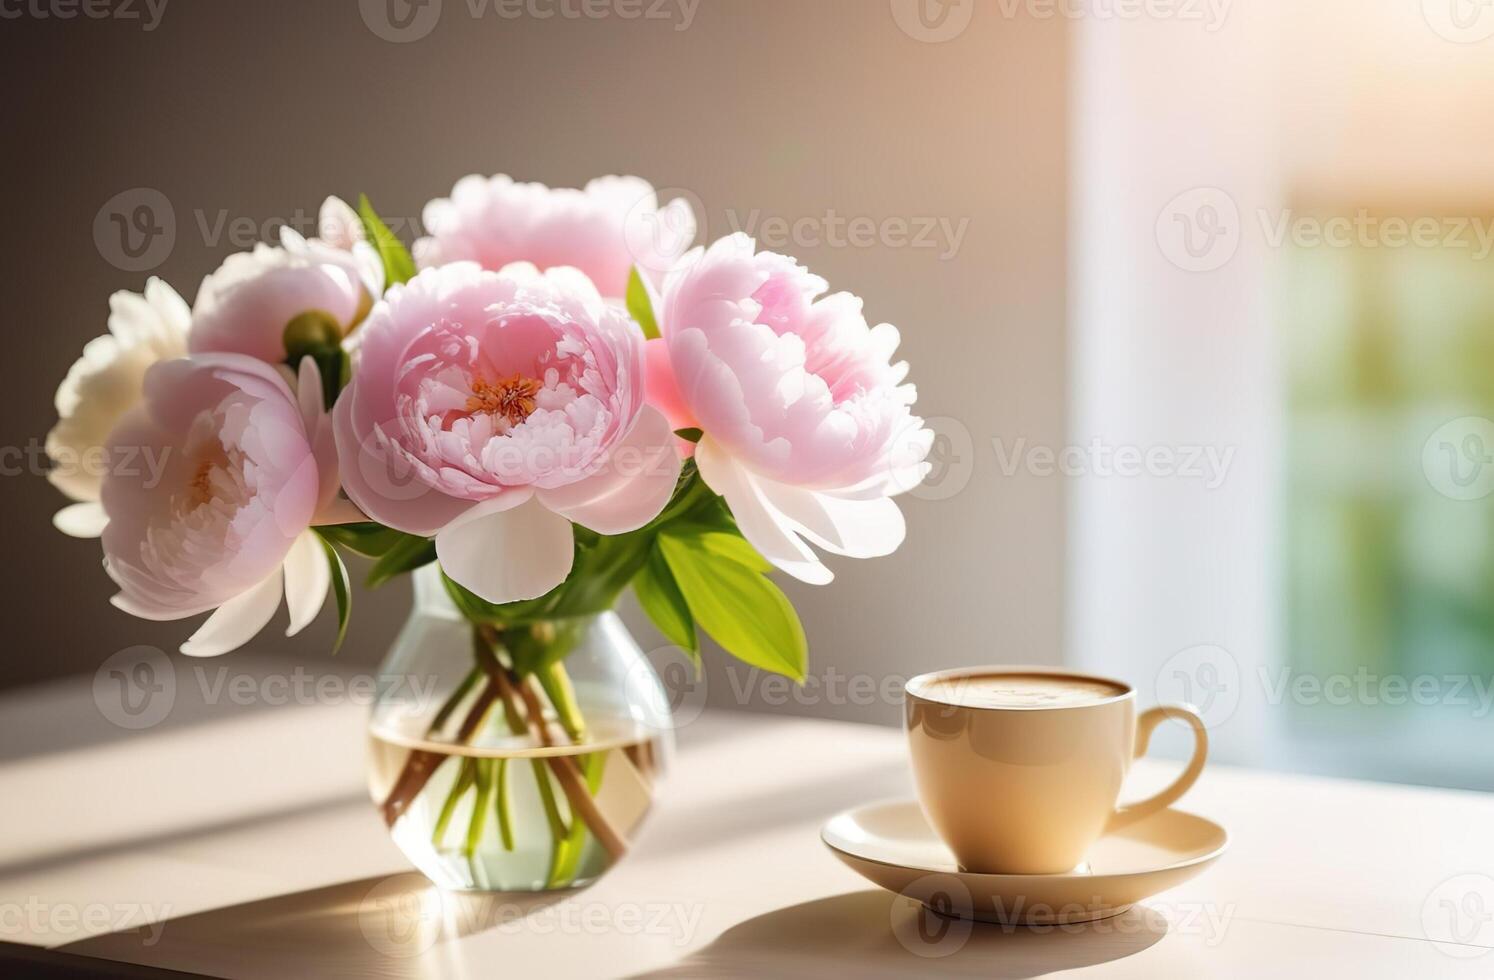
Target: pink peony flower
[604, 230]
[245, 305]
[248, 467]
[807, 424]
[491, 410]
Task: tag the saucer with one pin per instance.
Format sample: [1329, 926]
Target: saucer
[892, 845]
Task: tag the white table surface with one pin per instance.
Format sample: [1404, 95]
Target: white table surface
[240, 842]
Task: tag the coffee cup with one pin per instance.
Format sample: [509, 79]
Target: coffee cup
[1019, 769]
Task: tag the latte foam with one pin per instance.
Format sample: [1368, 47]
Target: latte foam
[1019, 691]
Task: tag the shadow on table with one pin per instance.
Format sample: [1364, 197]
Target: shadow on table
[878, 934]
[391, 926]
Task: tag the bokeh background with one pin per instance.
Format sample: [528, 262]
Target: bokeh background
[1198, 295]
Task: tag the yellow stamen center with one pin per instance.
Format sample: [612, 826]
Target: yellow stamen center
[512, 398]
[202, 483]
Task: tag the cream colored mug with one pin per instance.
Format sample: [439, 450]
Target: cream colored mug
[1019, 769]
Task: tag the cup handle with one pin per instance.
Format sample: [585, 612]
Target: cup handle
[1145, 725]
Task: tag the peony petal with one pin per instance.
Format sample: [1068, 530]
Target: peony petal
[795, 384]
[631, 489]
[387, 490]
[338, 225]
[318, 425]
[237, 621]
[370, 268]
[307, 579]
[508, 555]
[309, 395]
[854, 528]
[663, 391]
[604, 229]
[763, 526]
[84, 520]
[244, 306]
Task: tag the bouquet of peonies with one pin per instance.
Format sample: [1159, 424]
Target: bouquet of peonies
[554, 397]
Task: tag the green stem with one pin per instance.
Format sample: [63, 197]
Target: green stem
[465, 778]
[505, 807]
[562, 694]
[568, 858]
[548, 799]
[479, 811]
[442, 716]
[484, 641]
[569, 836]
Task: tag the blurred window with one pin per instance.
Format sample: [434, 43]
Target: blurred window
[1388, 352]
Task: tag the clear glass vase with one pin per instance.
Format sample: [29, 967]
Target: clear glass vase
[515, 758]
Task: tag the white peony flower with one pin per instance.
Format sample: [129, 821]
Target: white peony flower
[101, 387]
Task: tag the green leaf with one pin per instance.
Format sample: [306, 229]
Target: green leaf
[398, 265]
[365, 538]
[724, 542]
[640, 307]
[733, 602]
[660, 597]
[602, 571]
[342, 589]
[704, 513]
[408, 554]
[689, 435]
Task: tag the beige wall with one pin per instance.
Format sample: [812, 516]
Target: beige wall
[254, 109]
